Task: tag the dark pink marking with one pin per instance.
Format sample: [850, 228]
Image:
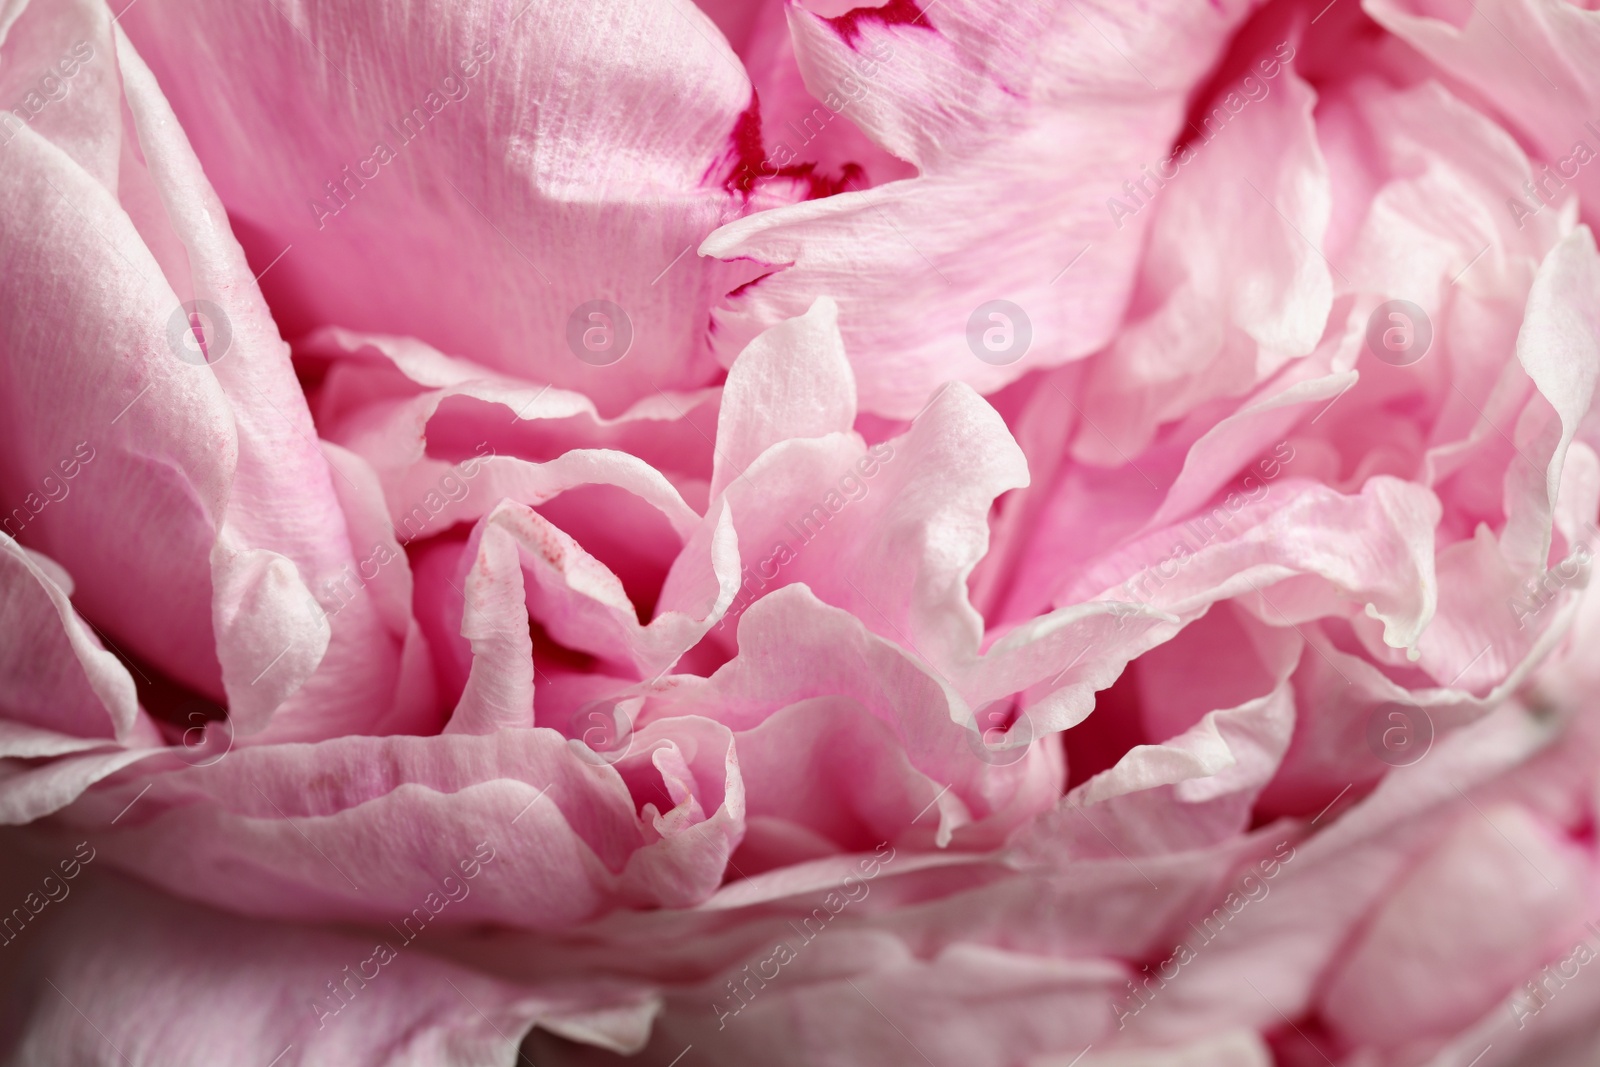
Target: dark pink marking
[894, 13]
[745, 152]
[820, 185]
[740, 290]
[744, 162]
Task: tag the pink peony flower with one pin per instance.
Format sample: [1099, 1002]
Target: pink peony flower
[796, 534]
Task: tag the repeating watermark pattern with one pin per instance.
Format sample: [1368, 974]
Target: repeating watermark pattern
[1199, 532]
[1250, 888]
[807, 527]
[451, 488]
[853, 890]
[1399, 734]
[53, 489]
[53, 890]
[343, 989]
[335, 594]
[999, 332]
[599, 332]
[608, 727]
[1122, 612]
[451, 89]
[1399, 333]
[352, 580]
[52, 87]
[199, 332]
[780, 161]
[1541, 990]
[998, 733]
[1542, 191]
[1252, 88]
[1540, 592]
[208, 737]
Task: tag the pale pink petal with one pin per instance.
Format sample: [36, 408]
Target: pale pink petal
[494, 620]
[795, 652]
[198, 452]
[1321, 888]
[1020, 124]
[268, 648]
[332, 829]
[1193, 789]
[54, 673]
[433, 116]
[1491, 901]
[1373, 553]
[141, 471]
[889, 531]
[792, 381]
[32, 791]
[1234, 281]
[1532, 64]
[134, 978]
[1559, 347]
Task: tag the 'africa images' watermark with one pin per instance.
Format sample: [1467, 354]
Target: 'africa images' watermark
[852, 890]
[1250, 888]
[452, 89]
[341, 991]
[1250, 89]
[1399, 333]
[1399, 734]
[1539, 991]
[999, 332]
[339, 592]
[451, 488]
[52, 489]
[1000, 733]
[51, 87]
[807, 527]
[599, 332]
[780, 162]
[1199, 532]
[54, 890]
[1542, 191]
[1540, 591]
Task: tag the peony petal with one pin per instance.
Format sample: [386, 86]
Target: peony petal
[1532, 64]
[793, 381]
[134, 978]
[1235, 276]
[513, 141]
[1559, 347]
[54, 673]
[1008, 118]
[332, 829]
[1490, 902]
